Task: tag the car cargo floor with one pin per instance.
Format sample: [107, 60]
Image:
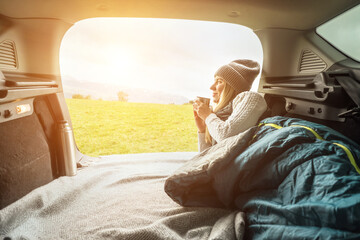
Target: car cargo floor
[116, 197]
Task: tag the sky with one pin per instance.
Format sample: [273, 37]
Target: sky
[173, 56]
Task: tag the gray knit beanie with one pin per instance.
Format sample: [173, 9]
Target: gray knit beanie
[239, 74]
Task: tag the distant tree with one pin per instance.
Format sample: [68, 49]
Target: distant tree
[122, 96]
[191, 101]
[77, 96]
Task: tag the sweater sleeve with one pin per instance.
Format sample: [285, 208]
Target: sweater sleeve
[202, 144]
[247, 109]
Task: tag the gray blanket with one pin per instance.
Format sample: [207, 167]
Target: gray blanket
[196, 183]
[117, 197]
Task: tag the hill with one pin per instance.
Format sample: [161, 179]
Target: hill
[107, 91]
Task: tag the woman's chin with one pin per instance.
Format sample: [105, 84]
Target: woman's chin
[215, 98]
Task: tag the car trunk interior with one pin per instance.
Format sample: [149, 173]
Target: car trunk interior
[32, 103]
[303, 79]
[300, 78]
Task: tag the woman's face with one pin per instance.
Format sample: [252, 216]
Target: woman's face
[217, 89]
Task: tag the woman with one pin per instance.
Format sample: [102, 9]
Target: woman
[236, 108]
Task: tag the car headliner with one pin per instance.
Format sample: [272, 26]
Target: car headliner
[256, 14]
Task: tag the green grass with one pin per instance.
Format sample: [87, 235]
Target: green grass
[112, 127]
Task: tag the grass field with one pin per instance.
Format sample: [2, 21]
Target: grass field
[113, 127]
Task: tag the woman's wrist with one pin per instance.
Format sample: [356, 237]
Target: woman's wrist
[201, 130]
[204, 116]
[207, 116]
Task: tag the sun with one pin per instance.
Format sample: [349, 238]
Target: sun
[121, 58]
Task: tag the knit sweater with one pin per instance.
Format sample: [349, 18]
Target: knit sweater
[247, 109]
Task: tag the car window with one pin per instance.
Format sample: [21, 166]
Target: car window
[343, 32]
[129, 82]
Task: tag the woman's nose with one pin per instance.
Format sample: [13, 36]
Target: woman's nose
[212, 87]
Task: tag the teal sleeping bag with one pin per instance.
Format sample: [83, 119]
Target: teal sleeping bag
[299, 180]
[294, 179]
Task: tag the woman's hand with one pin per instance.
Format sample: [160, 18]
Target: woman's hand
[201, 112]
[200, 124]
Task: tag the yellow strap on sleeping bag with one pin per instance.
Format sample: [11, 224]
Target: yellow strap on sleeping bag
[350, 156]
[311, 130]
[271, 125]
[347, 151]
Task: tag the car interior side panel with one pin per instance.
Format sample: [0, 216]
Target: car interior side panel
[29, 153]
[302, 80]
[25, 158]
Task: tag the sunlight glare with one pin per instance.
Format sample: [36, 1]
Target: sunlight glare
[162, 60]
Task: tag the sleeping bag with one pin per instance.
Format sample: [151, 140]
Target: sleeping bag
[294, 179]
